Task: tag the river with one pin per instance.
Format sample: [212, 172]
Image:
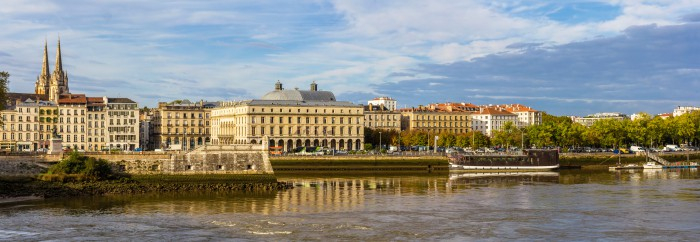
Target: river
[566, 205]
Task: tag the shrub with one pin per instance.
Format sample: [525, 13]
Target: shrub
[80, 168]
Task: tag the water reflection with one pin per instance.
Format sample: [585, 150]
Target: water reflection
[500, 179]
[552, 206]
[317, 193]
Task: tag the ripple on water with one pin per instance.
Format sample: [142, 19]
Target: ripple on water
[12, 234]
[224, 223]
[269, 232]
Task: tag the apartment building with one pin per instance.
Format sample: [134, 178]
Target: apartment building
[181, 124]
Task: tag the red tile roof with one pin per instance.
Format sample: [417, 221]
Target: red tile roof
[72, 99]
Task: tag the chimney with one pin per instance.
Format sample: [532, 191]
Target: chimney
[278, 86]
[314, 86]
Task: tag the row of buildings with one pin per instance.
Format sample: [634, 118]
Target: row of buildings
[288, 118]
[30, 120]
[592, 118]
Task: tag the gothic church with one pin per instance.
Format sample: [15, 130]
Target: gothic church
[52, 85]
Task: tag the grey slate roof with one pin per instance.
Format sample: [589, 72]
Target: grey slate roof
[297, 95]
[257, 102]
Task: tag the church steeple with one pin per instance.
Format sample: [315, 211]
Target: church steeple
[59, 64]
[42, 81]
[59, 78]
[45, 64]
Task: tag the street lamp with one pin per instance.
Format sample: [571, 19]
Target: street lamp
[522, 140]
[380, 142]
[399, 145]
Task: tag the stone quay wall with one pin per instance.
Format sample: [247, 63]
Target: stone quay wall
[218, 159]
[211, 159]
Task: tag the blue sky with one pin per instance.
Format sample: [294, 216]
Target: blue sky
[563, 57]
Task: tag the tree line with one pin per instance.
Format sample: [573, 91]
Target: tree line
[559, 131]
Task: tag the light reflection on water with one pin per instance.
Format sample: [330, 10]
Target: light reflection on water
[566, 205]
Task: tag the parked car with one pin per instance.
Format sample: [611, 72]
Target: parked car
[621, 151]
[635, 149]
[671, 148]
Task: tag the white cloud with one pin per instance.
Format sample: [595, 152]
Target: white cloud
[341, 44]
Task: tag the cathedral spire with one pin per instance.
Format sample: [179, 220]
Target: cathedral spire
[45, 64]
[43, 80]
[59, 65]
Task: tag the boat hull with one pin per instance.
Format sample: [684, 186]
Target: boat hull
[523, 168]
[529, 160]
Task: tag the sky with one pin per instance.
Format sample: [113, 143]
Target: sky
[572, 57]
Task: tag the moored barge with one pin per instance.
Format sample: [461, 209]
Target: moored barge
[533, 159]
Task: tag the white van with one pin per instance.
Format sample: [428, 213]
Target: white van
[672, 148]
[636, 149]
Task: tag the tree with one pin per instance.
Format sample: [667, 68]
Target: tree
[447, 139]
[4, 82]
[507, 135]
[656, 130]
[685, 128]
[610, 131]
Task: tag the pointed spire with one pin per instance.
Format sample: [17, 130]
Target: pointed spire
[59, 64]
[45, 64]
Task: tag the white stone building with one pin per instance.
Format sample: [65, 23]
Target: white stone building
[386, 102]
[490, 118]
[680, 110]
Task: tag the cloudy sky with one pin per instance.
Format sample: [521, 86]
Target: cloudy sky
[570, 57]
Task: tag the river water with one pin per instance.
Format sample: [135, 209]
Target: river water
[566, 205]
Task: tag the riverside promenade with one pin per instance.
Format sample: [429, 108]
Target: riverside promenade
[26, 163]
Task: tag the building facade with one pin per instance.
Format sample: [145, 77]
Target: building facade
[291, 119]
[452, 118]
[96, 124]
[387, 102]
[72, 115]
[489, 119]
[146, 129]
[82, 122]
[381, 118]
[20, 128]
[181, 125]
[527, 116]
[123, 125]
[590, 119]
[680, 110]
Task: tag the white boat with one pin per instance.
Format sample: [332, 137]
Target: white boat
[652, 165]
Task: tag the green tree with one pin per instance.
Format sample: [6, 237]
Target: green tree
[656, 131]
[447, 139]
[463, 140]
[637, 130]
[507, 136]
[685, 128]
[4, 82]
[611, 132]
